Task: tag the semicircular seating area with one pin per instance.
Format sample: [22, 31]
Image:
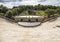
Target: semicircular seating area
[29, 23]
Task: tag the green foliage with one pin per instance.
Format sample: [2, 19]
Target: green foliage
[41, 13]
[24, 13]
[2, 14]
[15, 11]
[3, 9]
[50, 12]
[31, 12]
[9, 14]
[42, 10]
[58, 11]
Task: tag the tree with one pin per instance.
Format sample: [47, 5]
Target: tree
[58, 11]
[9, 14]
[31, 12]
[2, 14]
[3, 9]
[15, 12]
[50, 12]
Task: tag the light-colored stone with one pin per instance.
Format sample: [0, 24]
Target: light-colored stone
[47, 32]
[29, 18]
[29, 24]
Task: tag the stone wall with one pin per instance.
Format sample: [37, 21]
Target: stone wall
[29, 19]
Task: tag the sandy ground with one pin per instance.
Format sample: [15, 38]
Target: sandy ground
[47, 32]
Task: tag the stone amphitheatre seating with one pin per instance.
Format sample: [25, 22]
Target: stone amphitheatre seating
[29, 20]
[29, 23]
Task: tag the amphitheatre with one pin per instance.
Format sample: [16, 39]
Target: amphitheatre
[29, 20]
[46, 32]
[28, 23]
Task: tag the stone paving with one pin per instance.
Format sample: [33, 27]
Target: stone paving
[47, 32]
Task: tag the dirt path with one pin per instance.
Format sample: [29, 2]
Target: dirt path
[47, 32]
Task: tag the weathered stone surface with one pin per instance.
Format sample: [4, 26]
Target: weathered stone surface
[47, 32]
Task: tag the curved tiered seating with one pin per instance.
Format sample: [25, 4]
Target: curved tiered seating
[29, 23]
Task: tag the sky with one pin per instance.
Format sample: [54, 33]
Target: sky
[11, 3]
